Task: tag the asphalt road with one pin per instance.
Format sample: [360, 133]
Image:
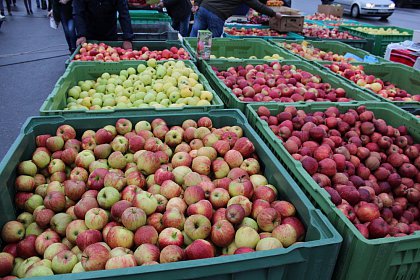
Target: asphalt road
[32, 57]
[402, 17]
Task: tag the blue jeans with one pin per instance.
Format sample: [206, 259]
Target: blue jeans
[183, 26]
[204, 19]
[69, 31]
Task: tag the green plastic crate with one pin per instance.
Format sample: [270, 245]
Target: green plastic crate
[56, 101]
[239, 48]
[356, 43]
[157, 31]
[231, 101]
[313, 259]
[152, 45]
[317, 22]
[334, 46]
[404, 77]
[343, 22]
[136, 13]
[150, 18]
[378, 43]
[359, 258]
[288, 35]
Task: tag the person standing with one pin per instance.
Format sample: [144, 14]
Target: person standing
[180, 12]
[62, 11]
[1, 9]
[97, 20]
[8, 6]
[28, 6]
[212, 14]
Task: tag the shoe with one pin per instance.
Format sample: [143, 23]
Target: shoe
[2, 17]
[32, 12]
[9, 13]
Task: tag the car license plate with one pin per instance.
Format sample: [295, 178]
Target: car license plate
[383, 11]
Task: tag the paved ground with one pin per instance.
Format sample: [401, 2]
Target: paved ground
[32, 58]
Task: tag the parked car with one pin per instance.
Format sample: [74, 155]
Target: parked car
[371, 8]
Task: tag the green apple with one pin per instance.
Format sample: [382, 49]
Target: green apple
[141, 68]
[150, 97]
[146, 79]
[75, 92]
[84, 94]
[105, 76]
[108, 101]
[124, 73]
[174, 96]
[38, 271]
[160, 96]
[107, 197]
[131, 71]
[165, 102]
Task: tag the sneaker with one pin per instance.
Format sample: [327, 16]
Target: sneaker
[2, 17]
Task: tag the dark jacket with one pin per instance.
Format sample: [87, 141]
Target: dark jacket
[59, 9]
[178, 9]
[97, 19]
[225, 9]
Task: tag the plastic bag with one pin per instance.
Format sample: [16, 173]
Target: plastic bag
[53, 23]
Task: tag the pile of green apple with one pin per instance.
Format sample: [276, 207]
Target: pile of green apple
[152, 84]
[141, 194]
[267, 57]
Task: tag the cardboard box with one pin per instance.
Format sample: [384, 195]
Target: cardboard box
[287, 23]
[334, 10]
[286, 11]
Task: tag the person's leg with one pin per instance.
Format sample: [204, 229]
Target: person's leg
[38, 4]
[175, 24]
[27, 6]
[1, 8]
[200, 22]
[216, 25]
[69, 31]
[30, 6]
[64, 23]
[9, 7]
[184, 26]
[72, 35]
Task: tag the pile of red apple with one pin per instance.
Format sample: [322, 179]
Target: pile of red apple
[142, 194]
[311, 25]
[385, 89]
[103, 52]
[278, 83]
[242, 31]
[322, 16]
[338, 24]
[138, 2]
[369, 168]
[322, 32]
[306, 50]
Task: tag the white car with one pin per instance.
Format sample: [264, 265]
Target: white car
[373, 8]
